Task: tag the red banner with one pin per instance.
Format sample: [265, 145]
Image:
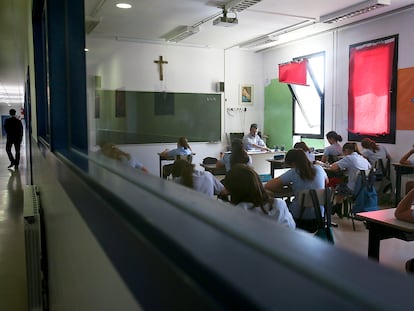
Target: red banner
[294, 72]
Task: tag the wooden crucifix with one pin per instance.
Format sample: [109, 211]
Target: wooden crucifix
[160, 62]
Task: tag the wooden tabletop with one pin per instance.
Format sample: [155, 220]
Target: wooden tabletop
[386, 217]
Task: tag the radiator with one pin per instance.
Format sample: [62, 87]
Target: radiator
[33, 245]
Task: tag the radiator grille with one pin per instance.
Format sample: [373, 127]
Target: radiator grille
[32, 234]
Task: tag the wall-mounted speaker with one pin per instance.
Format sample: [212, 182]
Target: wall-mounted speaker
[220, 87]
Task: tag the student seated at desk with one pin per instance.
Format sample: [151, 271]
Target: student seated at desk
[253, 141]
[331, 153]
[247, 192]
[303, 175]
[201, 181]
[238, 155]
[183, 148]
[405, 212]
[351, 164]
[113, 152]
[309, 154]
[373, 152]
[405, 160]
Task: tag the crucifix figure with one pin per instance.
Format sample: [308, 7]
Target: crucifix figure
[160, 62]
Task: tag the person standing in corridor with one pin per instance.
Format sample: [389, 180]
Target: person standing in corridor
[14, 130]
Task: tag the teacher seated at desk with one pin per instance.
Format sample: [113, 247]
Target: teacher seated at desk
[183, 148]
[303, 175]
[253, 141]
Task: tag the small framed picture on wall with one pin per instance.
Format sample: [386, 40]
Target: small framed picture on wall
[246, 94]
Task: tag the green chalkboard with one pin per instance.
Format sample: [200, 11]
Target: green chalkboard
[131, 117]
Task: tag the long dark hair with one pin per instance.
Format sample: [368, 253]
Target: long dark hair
[301, 145]
[244, 185]
[353, 147]
[370, 144]
[334, 135]
[298, 159]
[238, 153]
[184, 169]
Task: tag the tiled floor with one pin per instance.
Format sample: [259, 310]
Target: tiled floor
[393, 252]
[13, 293]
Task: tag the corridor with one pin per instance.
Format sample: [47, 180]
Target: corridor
[13, 293]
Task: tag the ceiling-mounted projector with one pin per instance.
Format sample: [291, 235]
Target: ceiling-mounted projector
[225, 21]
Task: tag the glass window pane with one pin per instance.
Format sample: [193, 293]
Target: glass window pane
[308, 100]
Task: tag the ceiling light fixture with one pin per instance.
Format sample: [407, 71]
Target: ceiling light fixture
[180, 33]
[123, 5]
[259, 41]
[238, 6]
[274, 36]
[353, 10]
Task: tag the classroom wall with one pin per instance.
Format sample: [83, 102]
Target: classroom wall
[336, 45]
[130, 66]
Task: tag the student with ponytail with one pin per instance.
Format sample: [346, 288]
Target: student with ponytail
[202, 181]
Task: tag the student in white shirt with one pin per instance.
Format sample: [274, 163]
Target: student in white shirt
[352, 163]
[331, 153]
[373, 152]
[111, 151]
[201, 181]
[309, 154]
[238, 155]
[404, 212]
[247, 192]
[405, 160]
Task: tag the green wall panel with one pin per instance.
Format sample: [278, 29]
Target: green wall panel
[278, 114]
[278, 117]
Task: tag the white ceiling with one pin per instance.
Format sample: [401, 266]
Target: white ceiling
[13, 55]
[149, 20]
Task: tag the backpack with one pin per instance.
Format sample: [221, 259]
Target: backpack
[365, 195]
[210, 160]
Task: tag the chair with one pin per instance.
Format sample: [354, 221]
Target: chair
[314, 198]
[168, 168]
[231, 137]
[383, 183]
[365, 196]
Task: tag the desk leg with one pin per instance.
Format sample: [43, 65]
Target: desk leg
[374, 239]
[272, 170]
[397, 186]
[160, 168]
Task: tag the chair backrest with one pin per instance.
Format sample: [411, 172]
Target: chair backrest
[231, 137]
[382, 170]
[187, 157]
[210, 160]
[314, 198]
